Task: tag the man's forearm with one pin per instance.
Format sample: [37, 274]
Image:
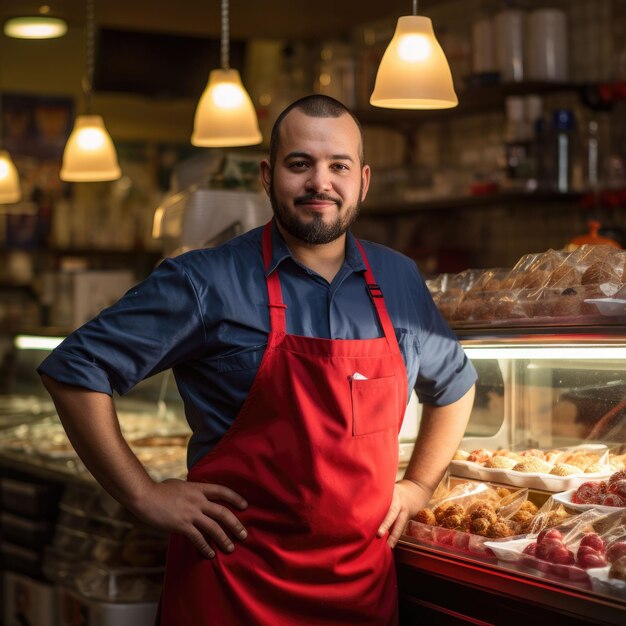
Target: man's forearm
[441, 430]
[91, 423]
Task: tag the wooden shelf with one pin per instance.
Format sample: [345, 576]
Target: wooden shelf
[471, 101]
[399, 209]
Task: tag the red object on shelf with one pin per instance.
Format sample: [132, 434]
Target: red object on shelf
[592, 237]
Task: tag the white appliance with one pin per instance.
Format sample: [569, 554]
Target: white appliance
[202, 218]
[73, 298]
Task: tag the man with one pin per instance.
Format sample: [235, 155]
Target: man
[294, 348]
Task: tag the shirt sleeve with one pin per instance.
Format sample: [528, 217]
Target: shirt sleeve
[151, 328]
[445, 373]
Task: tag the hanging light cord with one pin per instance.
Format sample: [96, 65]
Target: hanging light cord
[225, 61]
[414, 7]
[88, 82]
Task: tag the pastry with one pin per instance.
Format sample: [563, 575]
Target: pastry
[532, 465]
[500, 462]
[479, 526]
[425, 516]
[564, 469]
[499, 529]
[479, 456]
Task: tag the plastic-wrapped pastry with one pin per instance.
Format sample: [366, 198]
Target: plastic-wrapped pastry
[486, 514]
[425, 516]
[499, 529]
[453, 509]
[452, 521]
[479, 526]
[530, 506]
[598, 273]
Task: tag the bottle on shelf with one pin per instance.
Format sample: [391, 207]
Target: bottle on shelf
[518, 167]
[556, 141]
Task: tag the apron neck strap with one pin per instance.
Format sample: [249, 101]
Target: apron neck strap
[277, 306]
[376, 295]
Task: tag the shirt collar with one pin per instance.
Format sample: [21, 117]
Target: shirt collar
[281, 251]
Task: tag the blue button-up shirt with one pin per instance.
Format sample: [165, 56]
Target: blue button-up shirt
[205, 315]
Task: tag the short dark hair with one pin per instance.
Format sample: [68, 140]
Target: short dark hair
[315, 105]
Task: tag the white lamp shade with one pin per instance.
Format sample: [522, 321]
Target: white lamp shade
[89, 154]
[414, 72]
[10, 190]
[225, 115]
[35, 27]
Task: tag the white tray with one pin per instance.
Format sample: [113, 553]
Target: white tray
[532, 480]
[601, 583]
[609, 306]
[565, 498]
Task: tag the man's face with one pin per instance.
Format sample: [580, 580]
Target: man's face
[318, 183]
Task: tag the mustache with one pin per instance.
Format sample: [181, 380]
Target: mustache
[321, 197]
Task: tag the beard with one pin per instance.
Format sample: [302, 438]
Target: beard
[315, 231]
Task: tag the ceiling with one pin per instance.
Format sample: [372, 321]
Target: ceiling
[317, 19]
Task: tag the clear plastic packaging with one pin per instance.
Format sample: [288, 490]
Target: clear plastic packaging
[575, 287]
[581, 550]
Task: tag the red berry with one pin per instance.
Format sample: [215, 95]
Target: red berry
[594, 541]
[615, 550]
[530, 549]
[619, 475]
[612, 499]
[589, 493]
[618, 487]
[561, 555]
[549, 533]
[545, 547]
[591, 559]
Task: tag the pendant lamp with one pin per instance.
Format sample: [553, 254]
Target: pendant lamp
[225, 115]
[10, 190]
[414, 72]
[89, 154]
[43, 25]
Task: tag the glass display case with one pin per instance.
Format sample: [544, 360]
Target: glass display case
[549, 420]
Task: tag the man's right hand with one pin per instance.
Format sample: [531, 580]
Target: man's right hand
[193, 510]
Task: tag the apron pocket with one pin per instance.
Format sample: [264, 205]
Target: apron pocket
[374, 405]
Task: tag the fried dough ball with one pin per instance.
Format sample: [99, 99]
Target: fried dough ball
[454, 509]
[425, 516]
[524, 519]
[499, 529]
[480, 526]
[555, 517]
[503, 492]
[452, 521]
[460, 455]
[529, 506]
[487, 514]
[480, 506]
[439, 513]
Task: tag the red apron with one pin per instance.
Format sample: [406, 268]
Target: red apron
[314, 451]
